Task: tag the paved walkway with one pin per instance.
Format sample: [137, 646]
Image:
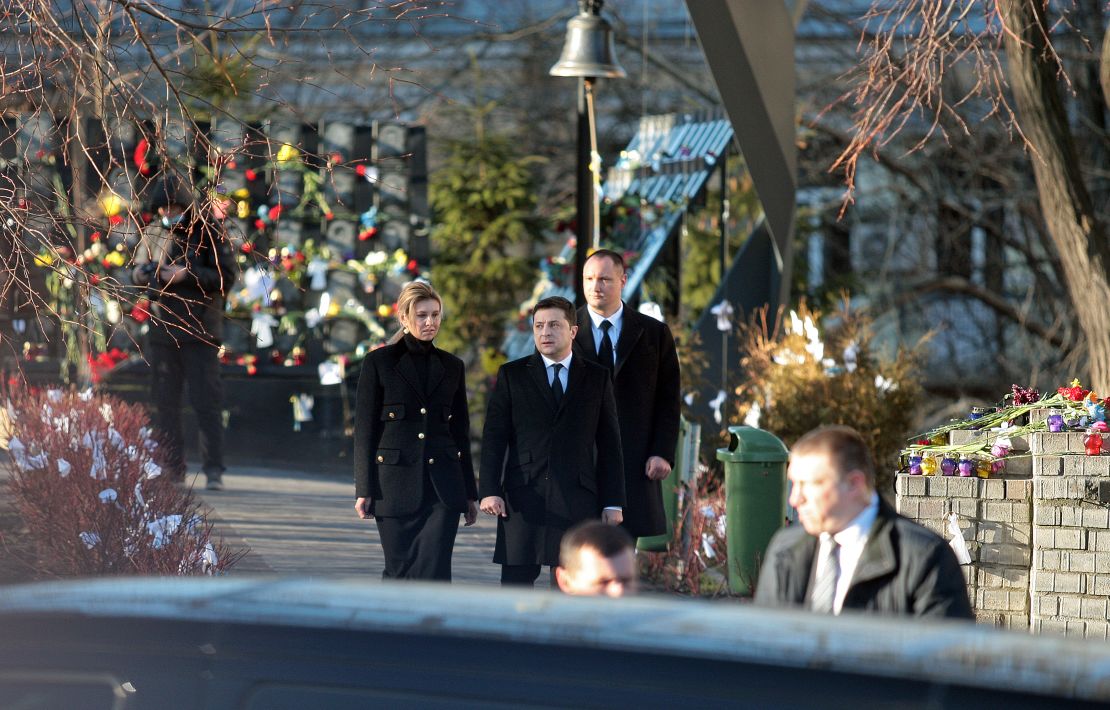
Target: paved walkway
[297, 523]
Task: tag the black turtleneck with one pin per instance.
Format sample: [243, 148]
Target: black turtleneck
[420, 351]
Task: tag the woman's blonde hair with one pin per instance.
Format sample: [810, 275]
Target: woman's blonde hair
[412, 293]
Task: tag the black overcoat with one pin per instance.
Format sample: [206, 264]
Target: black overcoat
[904, 569]
[647, 389]
[403, 435]
[553, 465]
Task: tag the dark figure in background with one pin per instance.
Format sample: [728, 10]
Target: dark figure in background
[551, 453]
[190, 270]
[413, 471]
[596, 559]
[640, 353]
[852, 550]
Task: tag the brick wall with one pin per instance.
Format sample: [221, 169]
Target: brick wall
[1039, 535]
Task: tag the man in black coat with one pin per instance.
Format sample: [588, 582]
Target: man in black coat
[190, 271]
[853, 551]
[641, 355]
[551, 454]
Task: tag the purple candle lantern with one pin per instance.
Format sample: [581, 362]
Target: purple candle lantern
[915, 465]
[967, 467]
[948, 466]
[1055, 422]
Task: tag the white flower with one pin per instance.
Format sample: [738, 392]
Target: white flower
[885, 385]
[707, 541]
[723, 311]
[163, 529]
[139, 494]
[106, 412]
[851, 356]
[108, 495]
[209, 560]
[796, 324]
[23, 460]
[86, 395]
[90, 539]
[716, 404]
[376, 258]
[63, 468]
[817, 349]
[152, 470]
[133, 453]
[116, 439]
[722, 525]
[54, 396]
[752, 417]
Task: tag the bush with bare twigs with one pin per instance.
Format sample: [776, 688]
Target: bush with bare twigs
[799, 379]
[696, 561]
[85, 476]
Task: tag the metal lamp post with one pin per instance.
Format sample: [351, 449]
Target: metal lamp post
[587, 54]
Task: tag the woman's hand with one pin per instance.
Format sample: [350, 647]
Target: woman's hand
[471, 514]
[362, 507]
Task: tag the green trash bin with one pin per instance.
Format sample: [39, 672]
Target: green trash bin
[755, 500]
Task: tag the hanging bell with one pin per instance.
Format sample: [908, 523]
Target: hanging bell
[588, 51]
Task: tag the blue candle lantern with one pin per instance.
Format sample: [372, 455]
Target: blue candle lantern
[948, 466]
[967, 467]
[1055, 422]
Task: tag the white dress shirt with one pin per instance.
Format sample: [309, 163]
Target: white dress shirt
[852, 540]
[617, 319]
[565, 362]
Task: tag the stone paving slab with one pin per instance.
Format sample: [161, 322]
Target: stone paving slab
[304, 524]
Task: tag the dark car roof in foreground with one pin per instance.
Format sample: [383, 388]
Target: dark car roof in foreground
[952, 653]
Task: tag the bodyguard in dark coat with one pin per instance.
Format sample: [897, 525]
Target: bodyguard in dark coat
[413, 469]
[642, 357]
[551, 453]
[851, 550]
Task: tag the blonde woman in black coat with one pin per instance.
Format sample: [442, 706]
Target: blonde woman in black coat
[413, 472]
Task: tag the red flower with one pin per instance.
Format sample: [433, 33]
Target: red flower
[141, 311]
[367, 234]
[329, 215]
[95, 237]
[115, 219]
[360, 170]
[94, 279]
[231, 164]
[336, 158]
[413, 267]
[141, 149]
[147, 217]
[251, 174]
[275, 212]
[1075, 394]
[246, 248]
[259, 224]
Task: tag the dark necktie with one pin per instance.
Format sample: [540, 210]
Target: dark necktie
[556, 383]
[824, 586]
[605, 352]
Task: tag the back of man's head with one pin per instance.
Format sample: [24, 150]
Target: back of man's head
[843, 445]
[597, 559]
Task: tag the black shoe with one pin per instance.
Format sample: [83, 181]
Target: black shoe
[214, 484]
